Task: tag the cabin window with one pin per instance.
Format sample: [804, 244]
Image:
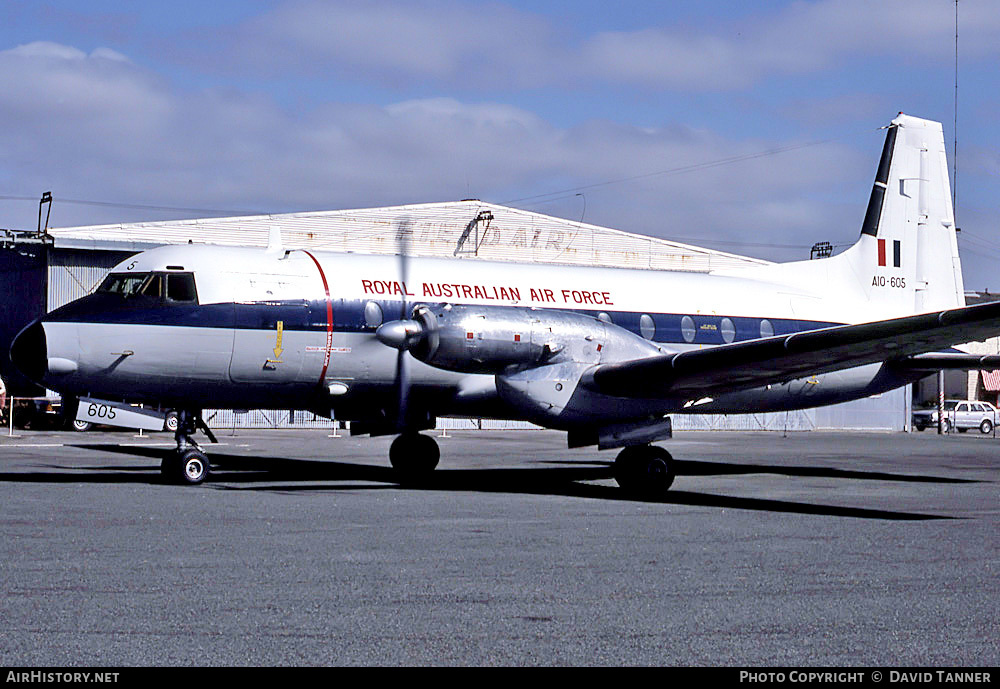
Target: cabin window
[604, 317]
[766, 329]
[646, 326]
[728, 330]
[688, 330]
[373, 314]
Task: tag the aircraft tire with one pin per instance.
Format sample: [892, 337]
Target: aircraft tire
[644, 470]
[190, 467]
[414, 456]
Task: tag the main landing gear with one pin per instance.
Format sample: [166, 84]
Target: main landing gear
[414, 456]
[641, 470]
[644, 470]
[188, 464]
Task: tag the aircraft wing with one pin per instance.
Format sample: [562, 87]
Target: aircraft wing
[743, 365]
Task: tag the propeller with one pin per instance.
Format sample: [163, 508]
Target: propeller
[402, 361]
[404, 333]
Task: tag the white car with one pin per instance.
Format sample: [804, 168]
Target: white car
[960, 415]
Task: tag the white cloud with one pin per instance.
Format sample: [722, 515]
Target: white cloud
[46, 49]
[800, 38]
[398, 41]
[52, 95]
[90, 128]
[486, 47]
[56, 51]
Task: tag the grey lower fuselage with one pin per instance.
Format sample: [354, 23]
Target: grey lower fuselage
[233, 364]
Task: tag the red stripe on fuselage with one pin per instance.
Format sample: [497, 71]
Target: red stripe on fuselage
[881, 252]
[329, 317]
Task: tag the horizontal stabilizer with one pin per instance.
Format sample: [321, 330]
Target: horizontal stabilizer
[745, 365]
[956, 361]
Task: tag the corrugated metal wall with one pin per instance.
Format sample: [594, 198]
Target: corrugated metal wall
[74, 273]
[889, 411]
[432, 229]
[886, 412]
[22, 284]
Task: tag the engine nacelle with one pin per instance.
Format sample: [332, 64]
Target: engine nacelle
[495, 339]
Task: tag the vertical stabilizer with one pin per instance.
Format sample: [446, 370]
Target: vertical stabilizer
[906, 260]
[908, 251]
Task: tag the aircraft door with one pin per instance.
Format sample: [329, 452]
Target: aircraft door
[269, 341]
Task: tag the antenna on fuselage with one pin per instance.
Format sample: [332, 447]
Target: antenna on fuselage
[274, 246]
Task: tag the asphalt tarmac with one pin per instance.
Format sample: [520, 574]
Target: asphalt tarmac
[813, 549]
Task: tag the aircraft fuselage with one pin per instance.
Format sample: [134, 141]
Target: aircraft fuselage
[242, 328]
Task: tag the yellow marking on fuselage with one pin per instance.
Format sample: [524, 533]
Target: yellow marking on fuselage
[277, 344]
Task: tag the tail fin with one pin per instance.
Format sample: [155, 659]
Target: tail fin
[908, 250]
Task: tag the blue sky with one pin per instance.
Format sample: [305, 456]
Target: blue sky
[301, 105]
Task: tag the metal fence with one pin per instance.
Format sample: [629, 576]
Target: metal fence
[803, 420]
[221, 419]
[885, 413]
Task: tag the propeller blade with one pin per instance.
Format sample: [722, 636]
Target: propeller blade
[403, 242]
[398, 334]
[415, 327]
[402, 389]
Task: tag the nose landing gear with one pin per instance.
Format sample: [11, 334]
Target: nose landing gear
[188, 464]
[189, 467]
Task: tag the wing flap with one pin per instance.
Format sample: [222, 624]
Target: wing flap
[782, 358]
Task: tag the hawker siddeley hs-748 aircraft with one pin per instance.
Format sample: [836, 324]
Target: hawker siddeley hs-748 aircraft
[602, 353]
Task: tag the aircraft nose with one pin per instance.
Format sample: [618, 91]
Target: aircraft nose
[29, 352]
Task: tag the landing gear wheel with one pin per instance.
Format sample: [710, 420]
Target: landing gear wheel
[80, 426]
[986, 427]
[172, 422]
[644, 470]
[189, 467]
[414, 456]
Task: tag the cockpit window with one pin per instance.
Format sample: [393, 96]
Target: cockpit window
[175, 287]
[180, 287]
[125, 284]
[153, 287]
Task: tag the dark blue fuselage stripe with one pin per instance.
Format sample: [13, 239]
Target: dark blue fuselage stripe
[348, 317]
